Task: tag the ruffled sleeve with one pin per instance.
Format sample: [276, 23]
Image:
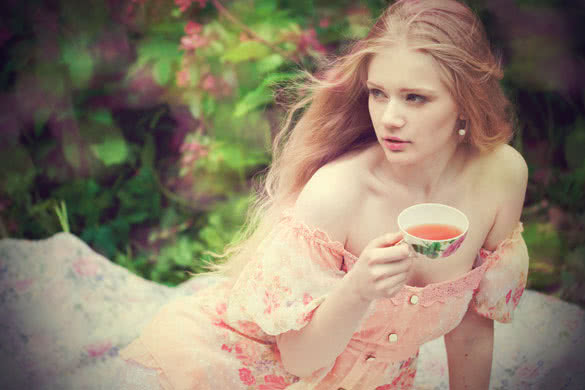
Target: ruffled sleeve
[293, 270]
[504, 280]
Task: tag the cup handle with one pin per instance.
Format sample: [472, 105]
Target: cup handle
[411, 251]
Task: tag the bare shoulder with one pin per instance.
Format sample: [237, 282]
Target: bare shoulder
[503, 171]
[330, 197]
[505, 180]
[508, 162]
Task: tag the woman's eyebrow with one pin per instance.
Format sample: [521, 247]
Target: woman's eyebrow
[423, 90]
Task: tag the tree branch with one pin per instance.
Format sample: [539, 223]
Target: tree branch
[222, 10]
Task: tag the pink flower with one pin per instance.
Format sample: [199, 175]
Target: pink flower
[517, 295]
[270, 302]
[224, 347]
[384, 387]
[21, 285]
[246, 377]
[192, 42]
[307, 298]
[86, 267]
[183, 4]
[244, 353]
[222, 324]
[248, 328]
[508, 296]
[273, 382]
[192, 28]
[324, 23]
[308, 39]
[305, 317]
[98, 349]
[221, 308]
[209, 83]
[183, 78]
[454, 246]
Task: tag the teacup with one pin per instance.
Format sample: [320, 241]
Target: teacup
[433, 230]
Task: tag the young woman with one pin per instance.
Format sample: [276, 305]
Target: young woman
[322, 295]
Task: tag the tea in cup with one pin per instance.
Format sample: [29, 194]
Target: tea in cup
[433, 230]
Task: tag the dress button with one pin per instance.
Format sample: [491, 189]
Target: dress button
[392, 337]
[414, 299]
[371, 359]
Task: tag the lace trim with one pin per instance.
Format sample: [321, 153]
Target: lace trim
[429, 294]
[315, 235]
[442, 291]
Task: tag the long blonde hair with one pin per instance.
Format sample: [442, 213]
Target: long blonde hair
[333, 109]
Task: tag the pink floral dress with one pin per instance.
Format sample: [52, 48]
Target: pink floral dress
[224, 336]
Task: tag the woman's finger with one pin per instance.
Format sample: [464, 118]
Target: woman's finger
[389, 285]
[384, 271]
[389, 254]
[384, 241]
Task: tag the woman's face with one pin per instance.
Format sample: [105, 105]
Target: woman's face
[413, 113]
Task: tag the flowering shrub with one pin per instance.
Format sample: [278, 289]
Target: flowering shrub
[138, 124]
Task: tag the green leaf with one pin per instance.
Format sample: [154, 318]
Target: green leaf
[158, 49]
[163, 54]
[253, 100]
[269, 64]
[261, 95]
[245, 51]
[103, 238]
[140, 196]
[544, 243]
[77, 57]
[72, 151]
[209, 104]
[103, 117]
[162, 72]
[112, 150]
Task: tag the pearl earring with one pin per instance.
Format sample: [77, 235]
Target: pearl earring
[462, 130]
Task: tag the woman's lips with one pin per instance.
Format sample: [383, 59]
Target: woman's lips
[395, 144]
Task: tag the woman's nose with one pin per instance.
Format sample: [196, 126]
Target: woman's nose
[392, 116]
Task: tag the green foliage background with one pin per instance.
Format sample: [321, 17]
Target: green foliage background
[139, 125]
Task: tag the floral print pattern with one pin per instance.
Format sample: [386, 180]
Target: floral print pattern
[436, 249]
[504, 281]
[96, 309]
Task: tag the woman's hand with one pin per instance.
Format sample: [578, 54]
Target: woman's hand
[381, 269]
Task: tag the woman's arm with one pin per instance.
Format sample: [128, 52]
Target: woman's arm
[336, 319]
[380, 272]
[470, 345]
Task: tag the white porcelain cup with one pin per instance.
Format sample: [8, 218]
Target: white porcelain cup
[433, 214]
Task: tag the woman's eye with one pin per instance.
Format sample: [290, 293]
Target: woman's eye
[376, 93]
[412, 97]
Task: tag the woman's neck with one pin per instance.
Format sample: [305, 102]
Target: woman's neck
[424, 179]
